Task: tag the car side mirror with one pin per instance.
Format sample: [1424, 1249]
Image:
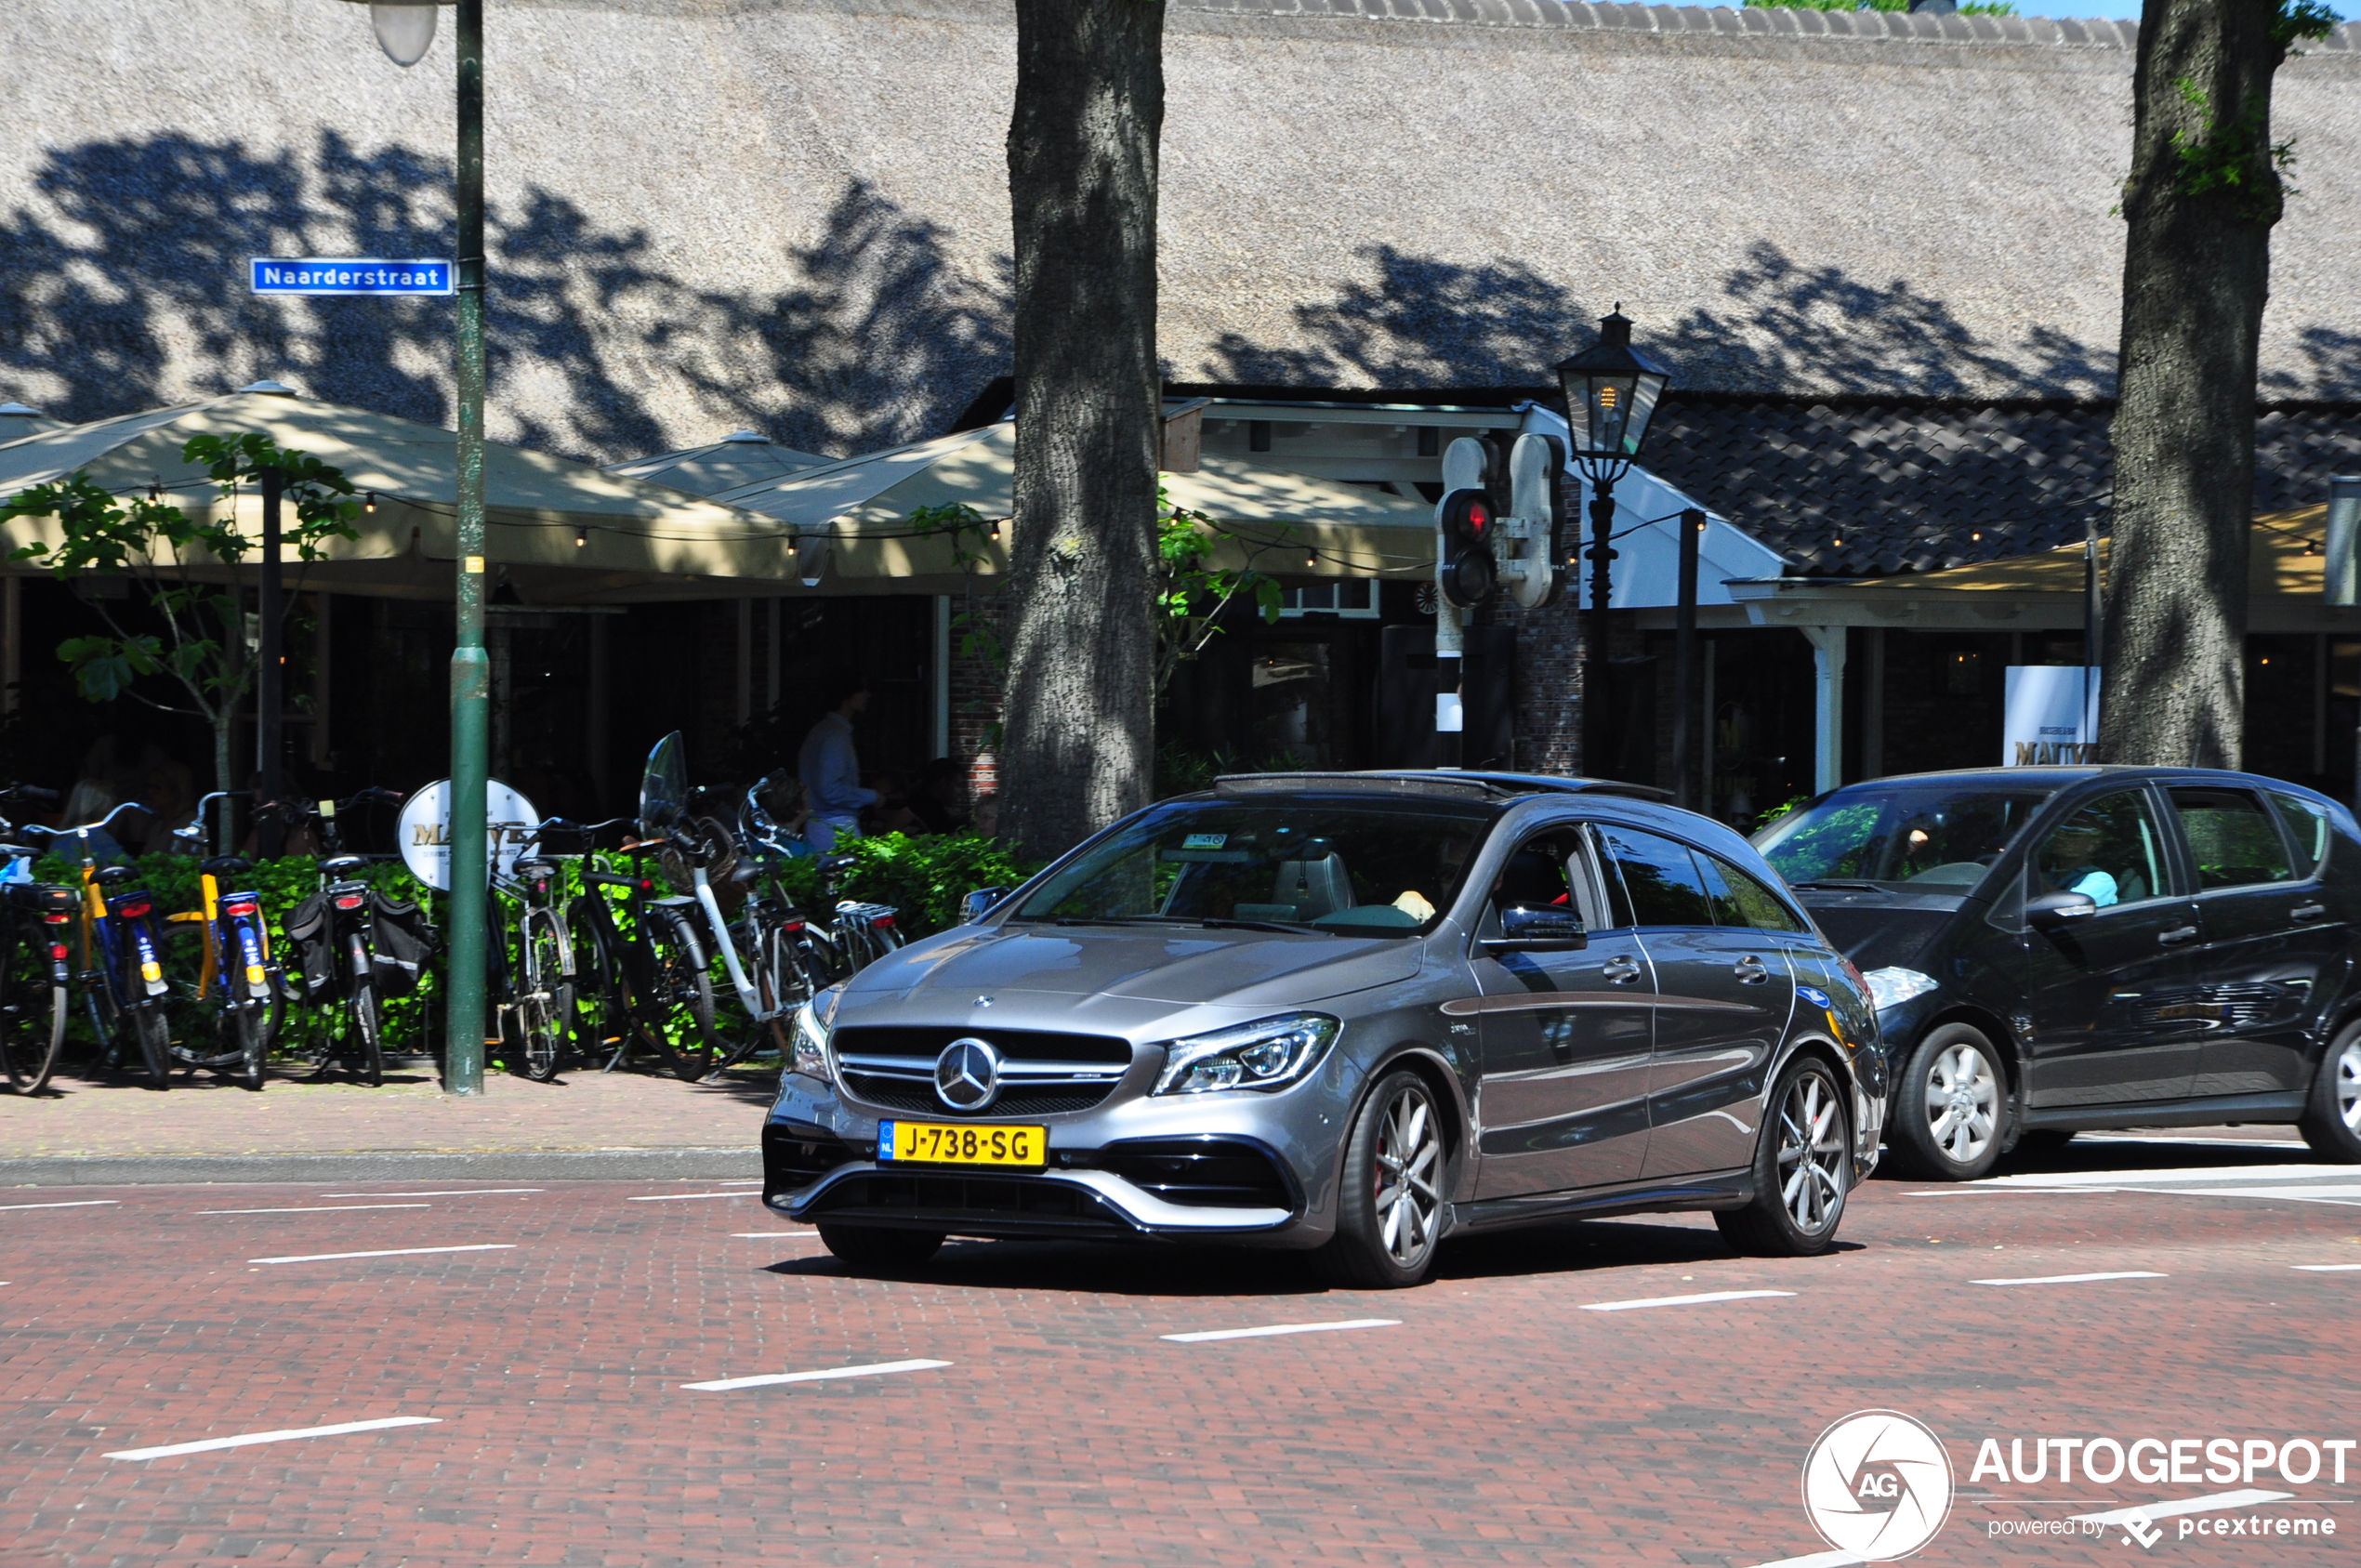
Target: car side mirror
[2058, 909]
[1527, 929]
[977, 904]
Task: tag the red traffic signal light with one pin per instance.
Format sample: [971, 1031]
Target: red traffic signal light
[1466, 572]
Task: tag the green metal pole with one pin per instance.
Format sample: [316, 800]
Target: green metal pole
[470, 668]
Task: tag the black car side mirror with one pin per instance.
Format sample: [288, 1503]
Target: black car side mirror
[2058, 909]
[1527, 930]
[977, 904]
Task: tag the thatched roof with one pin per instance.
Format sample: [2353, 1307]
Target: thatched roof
[711, 215]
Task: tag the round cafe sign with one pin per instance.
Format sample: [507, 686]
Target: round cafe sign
[425, 831]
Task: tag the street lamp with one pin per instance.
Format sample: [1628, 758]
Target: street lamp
[404, 32]
[1611, 393]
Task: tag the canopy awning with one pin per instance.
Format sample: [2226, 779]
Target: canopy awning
[853, 517]
[741, 457]
[564, 532]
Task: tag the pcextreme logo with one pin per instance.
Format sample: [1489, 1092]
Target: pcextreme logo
[1878, 1484]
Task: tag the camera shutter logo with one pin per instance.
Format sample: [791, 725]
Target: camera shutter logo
[1878, 1484]
[967, 1075]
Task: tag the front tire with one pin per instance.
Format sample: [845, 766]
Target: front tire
[1951, 1106]
[154, 1032]
[1801, 1169]
[1389, 1202]
[544, 996]
[879, 1246]
[2331, 1121]
[32, 1019]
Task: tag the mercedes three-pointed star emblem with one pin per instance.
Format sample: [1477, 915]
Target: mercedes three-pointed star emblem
[967, 1075]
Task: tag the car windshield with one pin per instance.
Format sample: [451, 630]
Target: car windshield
[1928, 838]
[1313, 863]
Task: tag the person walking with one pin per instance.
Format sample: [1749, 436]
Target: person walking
[830, 772]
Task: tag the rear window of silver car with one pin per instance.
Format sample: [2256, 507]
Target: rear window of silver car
[1337, 867]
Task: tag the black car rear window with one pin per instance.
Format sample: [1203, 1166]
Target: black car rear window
[1933, 838]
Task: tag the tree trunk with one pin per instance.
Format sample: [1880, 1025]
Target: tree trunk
[1080, 702]
[2200, 204]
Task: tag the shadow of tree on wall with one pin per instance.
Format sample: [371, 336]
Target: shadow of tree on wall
[123, 287]
[1781, 326]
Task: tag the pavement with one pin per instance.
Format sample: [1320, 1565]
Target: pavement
[584, 1126]
[622, 1373]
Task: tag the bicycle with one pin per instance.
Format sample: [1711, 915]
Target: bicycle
[122, 974]
[650, 980]
[239, 992]
[34, 971]
[533, 975]
[345, 936]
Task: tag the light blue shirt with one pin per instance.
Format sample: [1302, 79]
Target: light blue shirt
[831, 773]
[2101, 886]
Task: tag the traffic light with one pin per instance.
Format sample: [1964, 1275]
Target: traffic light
[1464, 568]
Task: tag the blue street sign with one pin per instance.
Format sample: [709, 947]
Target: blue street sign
[349, 274]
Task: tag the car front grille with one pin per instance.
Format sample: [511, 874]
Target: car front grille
[957, 1203]
[1042, 1072]
[1015, 1099]
[920, 1046]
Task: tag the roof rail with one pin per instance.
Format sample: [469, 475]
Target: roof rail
[1488, 784]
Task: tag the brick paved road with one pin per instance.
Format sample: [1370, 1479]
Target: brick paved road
[1497, 1423]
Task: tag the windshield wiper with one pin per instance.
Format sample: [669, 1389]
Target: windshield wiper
[1843, 887]
[1161, 920]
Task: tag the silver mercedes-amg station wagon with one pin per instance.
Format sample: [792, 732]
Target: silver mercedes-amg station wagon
[1354, 1013]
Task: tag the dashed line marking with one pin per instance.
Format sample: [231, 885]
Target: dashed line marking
[1818, 1560]
[2077, 1279]
[326, 1208]
[447, 1193]
[78, 1202]
[829, 1374]
[677, 1198]
[1696, 1300]
[246, 1438]
[1271, 1330]
[389, 1252]
[2328, 1267]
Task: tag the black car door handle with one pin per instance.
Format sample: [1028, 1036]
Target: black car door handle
[2307, 911]
[1749, 970]
[1621, 969]
[2176, 936]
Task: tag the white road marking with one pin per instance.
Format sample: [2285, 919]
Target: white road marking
[2225, 1142]
[450, 1193]
[2190, 1176]
[676, 1197]
[791, 1236]
[326, 1208]
[2343, 1194]
[2194, 1505]
[1818, 1560]
[210, 1443]
[391, 1252]
[2310, 1268]
[2076, 1279]
[1270, 1330]
[1696, 1300]
[78, 1202]
[2004, 1192]
[881, 1369]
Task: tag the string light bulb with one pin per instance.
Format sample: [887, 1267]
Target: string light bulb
[155, 490]
[581, 538]
[369, 501]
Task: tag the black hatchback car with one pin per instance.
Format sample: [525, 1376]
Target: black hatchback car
[2053, 949]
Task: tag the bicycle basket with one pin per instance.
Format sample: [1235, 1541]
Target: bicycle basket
[403, 939]
[718, 849]
[314, 944]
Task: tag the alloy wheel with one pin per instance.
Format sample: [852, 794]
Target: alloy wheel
[1963, 1102]
[1409, 1157]
[2349, 1086]
[1811, 1155]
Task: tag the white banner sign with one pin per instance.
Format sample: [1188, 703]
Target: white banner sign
[2051, 719]
[425, 831]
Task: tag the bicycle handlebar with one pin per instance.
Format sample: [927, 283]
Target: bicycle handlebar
[88, 827]
[27, 792]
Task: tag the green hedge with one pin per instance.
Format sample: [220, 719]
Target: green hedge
[924, 878]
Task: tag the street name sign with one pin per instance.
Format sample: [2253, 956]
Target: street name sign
[349, 275]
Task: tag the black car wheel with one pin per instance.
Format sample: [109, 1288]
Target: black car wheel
[879, 1247]
[1390, 1203]
[1950, 1106]
[2332, 1121]
[1801, 1169]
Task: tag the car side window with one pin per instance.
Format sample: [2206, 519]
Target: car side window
[1660, 876]
[2110, 849]
[1740, 899]
[2232, 839]
[2307, 825]
[1550, 870]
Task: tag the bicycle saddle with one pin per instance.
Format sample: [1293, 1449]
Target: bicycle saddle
[537, 868]
[336, 865]
[836, 862]
[225, 866]
[114, 876]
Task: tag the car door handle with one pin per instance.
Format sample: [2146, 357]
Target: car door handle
[1621, 969]
[2307, 911]
[1750, 970]
[2176, 936]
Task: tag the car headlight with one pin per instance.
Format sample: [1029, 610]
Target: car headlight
[1892, 987]
[809, 1039]
[1262, 1055]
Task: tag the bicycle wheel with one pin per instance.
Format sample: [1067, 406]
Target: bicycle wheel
[246, 1025]
[601, 1000]
[32, 1016]
[678, 1020]
[154, 1033]
[544, 992]
[365, 1025]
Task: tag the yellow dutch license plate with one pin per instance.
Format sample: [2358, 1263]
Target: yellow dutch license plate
[932, 1143]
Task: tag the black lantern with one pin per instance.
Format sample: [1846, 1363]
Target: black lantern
[1611, 392]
